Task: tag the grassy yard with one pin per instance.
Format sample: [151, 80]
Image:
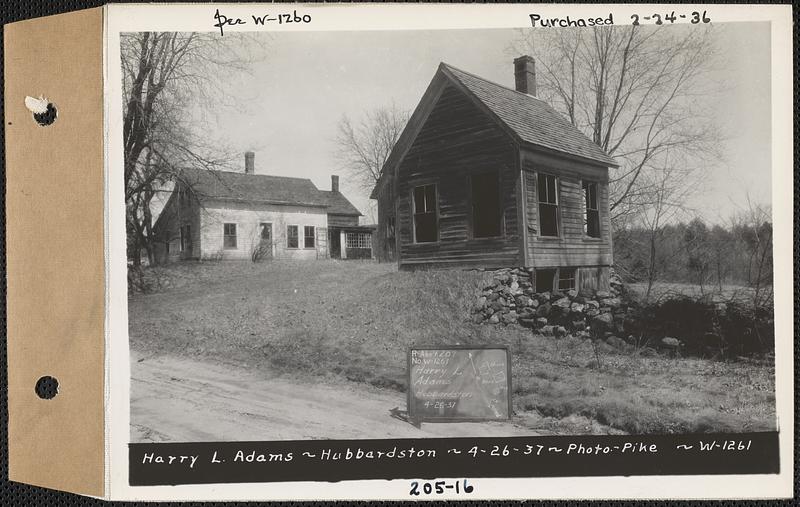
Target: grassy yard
[355, 320]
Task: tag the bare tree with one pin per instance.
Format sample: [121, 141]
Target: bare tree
[363, 147]
[635, 91]
[167, 79]
[667, 189]
[753, 228]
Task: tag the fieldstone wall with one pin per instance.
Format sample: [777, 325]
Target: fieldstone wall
[511, 299]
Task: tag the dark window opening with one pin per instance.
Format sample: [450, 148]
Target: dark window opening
[426, 227]
[548, 205]
[229, 235]
[292, 237]
[544, 280]
[591, 216]
[390, 227]
[486, 210]
[308, 236]
[566, 279]
[186, 238]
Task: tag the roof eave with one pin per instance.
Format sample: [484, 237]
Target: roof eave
[260, 201]
[571, 156]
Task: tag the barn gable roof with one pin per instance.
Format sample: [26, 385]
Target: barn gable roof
[263, 188]
[531, 121]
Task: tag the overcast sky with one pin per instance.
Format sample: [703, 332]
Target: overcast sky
[307, 81]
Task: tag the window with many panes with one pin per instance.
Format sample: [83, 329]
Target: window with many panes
[426, 227]
[229, 236]
[486, 211]
[358, 240]
[591, 212]
[548, 204]
[566, 279]
[291, 237]
[308, 236]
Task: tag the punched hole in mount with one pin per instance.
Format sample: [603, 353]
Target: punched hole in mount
[46, 388]
[44, 111]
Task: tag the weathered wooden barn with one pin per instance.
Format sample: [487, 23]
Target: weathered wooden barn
[488, 176]
[229, 215]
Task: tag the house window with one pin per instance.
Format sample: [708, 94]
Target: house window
[548, 205]
[486, 210]
[358, 240]
[591, 215]
[544, 280]
[229, 236]
[390, 227]
[426, 228]
[186, 238]
[566, 279]
[308, 236]
[291, 237]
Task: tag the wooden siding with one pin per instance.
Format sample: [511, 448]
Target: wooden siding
[341, 220]
[458, 139]
[572, 247]
[176, 214]
[383, 245]
[248, 218]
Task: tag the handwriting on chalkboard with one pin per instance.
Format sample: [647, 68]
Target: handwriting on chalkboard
[458, 383]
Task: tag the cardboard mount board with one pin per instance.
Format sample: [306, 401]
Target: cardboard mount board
[55, 252]
[67, 302]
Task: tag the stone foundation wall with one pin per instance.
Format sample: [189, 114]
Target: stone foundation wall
[511, 299]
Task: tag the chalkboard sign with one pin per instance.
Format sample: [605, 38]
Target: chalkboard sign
[459, 383]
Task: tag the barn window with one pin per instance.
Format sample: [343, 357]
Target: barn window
[186, 238]
[548, 205]
[291, 237]
[544, 279]
[229, 235]
[591, 214]
[426, 228]
[308, 236]
[358, 240]
[566, 279]
[486, 211]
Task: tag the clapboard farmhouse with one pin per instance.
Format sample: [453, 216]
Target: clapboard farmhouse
[487, 176]
[248, 216]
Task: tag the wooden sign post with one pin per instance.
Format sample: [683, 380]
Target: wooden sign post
[459, 383]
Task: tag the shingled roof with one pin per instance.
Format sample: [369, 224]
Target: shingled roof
[530, 118]
[262, 188]
[338, 204]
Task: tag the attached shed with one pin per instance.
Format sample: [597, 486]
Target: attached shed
[488, 176]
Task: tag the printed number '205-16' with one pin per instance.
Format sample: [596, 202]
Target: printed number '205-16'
[439, 487]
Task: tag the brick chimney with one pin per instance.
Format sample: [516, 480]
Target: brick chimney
[334, 183]
[249, 162]
[525, 74]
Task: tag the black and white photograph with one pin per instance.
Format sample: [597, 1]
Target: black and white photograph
[449, 233]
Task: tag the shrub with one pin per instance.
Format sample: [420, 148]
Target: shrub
[704, 327]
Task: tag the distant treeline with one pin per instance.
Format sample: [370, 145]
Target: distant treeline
[711, 256]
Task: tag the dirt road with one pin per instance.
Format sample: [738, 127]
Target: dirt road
[175, 399]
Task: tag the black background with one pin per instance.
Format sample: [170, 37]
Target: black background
[19, 494]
